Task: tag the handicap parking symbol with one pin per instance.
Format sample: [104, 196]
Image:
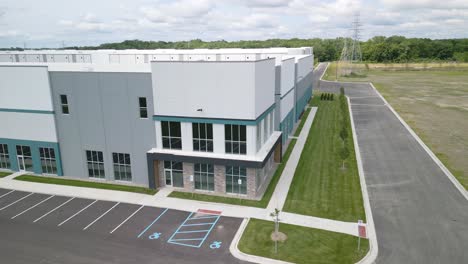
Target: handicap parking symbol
[215, 245]
[154, 236]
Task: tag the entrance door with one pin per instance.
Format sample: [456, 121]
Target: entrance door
[168, 175]
[21, 165]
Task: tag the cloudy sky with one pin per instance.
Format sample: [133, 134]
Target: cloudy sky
[49, 23]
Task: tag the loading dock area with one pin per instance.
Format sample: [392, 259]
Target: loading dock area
[58, 229]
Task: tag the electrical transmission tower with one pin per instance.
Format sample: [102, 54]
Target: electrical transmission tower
[351, 51]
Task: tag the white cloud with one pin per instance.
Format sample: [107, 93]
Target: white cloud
[425, 4]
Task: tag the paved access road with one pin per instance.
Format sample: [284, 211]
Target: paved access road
[420, 217]
[40, 228]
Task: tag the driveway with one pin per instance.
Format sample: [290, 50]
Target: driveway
[419, 215]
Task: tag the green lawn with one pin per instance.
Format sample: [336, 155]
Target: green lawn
[4, 174]
[320, 186]
[263, 203]
[89, 184]
[303, 119]
[304, 245]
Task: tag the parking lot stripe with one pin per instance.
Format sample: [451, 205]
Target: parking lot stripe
[117, 227]
[6, 206]
[7, 193]
[155, 220]
[97, 219]
[86, 207]
[33, 206]
[193, 231]
[198, 224]
[53, 210]
[207, 233]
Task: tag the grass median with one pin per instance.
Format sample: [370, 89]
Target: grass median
[4, 174]
[88, 184]
[321, 187]
[303, 245]
[263, 203]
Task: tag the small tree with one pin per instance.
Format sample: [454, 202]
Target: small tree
[344, 154]
[343, 134]
[342, 90]
[332, 95]
[275, 216]
[321, 96]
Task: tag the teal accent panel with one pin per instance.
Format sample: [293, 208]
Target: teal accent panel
[26, 111]
[215, 120]
[302, 102]
[34, 145]
[287, 125]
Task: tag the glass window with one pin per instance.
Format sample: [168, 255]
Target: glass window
[4, 157]
[236, 179]
[235, 139]
[265, 129]
[48, 161]
[64, 104]
[25, 162]
[202, 137]
[95, 162]
[171, 135]
[122, 166]
[143, 107]
[272, 122]
[204, 176]
[259, 136]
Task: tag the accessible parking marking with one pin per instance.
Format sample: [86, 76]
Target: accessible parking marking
[86, 207]
[155, 220]
[32, 207]
[53, 210]
[97, 219]
[193, 232]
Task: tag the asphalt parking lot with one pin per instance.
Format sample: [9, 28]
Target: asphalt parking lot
[40, 228]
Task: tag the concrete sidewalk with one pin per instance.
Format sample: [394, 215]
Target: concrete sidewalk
[282, 188]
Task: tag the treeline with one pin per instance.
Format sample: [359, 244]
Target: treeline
[376, 49]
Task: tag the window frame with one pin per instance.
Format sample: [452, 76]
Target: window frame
[64, 104]
[202, 174]
[233, 174]
[48, 160]
[143, 109]
[235, 139]
[171, 141]
[96, 164]
[121, 162]
[5, 162]
[202, 143]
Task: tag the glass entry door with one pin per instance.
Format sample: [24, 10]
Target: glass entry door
[173, 173]
[21, 165]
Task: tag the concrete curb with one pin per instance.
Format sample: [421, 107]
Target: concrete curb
[373, 244]
[233, 248]
[452, 178]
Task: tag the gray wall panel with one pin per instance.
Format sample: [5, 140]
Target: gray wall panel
[104, 116]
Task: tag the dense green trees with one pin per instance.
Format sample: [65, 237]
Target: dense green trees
[376, 49]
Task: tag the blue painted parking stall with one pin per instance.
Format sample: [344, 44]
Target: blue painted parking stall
[195, 229]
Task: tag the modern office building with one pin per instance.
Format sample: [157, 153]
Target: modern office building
[212, 121]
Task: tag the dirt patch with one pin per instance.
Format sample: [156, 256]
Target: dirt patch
[278, 236]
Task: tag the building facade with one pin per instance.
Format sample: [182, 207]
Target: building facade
[209, 121]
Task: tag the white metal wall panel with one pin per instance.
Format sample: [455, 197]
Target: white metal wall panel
[221, 90]
[28, 126]
[305, 66]
[287, 75]
[264, 85]
[31, 93]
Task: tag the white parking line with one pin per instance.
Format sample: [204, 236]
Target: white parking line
[7, 193]
[32, 206]
[51, 211]
[86, 207]
[6, 206]
[117, 227]
[97, 219]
